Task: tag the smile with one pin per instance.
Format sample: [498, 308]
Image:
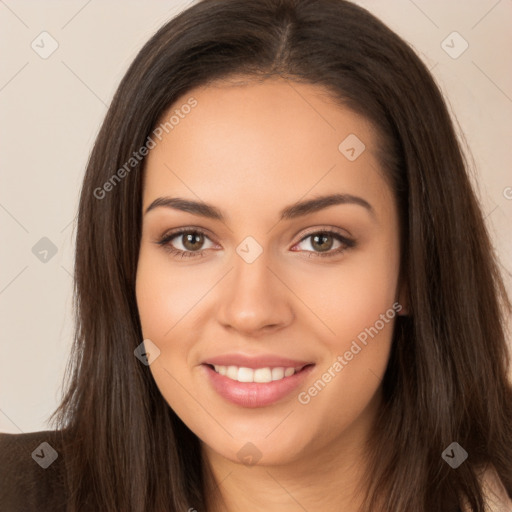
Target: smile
[255, 387]
[261, 375]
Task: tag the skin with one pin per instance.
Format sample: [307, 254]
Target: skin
[251, 149]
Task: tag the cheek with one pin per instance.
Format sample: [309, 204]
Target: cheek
[169, 302]
[165, 296]
[163, 300]
[349, 301]
[355, 361]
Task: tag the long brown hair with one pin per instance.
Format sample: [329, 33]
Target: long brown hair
[447, 375]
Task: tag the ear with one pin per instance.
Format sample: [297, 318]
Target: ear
[403, 298]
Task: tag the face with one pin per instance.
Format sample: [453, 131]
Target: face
[273, 312]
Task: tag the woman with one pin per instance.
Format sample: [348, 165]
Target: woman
[286, 294]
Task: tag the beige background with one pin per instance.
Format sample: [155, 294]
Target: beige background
[51, 110]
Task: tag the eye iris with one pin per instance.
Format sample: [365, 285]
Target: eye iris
[193, 241]
[322, 237]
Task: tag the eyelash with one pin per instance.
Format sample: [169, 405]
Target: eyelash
[167, 238]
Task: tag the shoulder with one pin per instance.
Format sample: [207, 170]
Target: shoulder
[32, 475]
[496, 495]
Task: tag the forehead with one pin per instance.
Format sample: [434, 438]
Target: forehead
[275, 139]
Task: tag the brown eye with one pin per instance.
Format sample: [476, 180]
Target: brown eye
[186, 243]
[322, 241]
[192, 241]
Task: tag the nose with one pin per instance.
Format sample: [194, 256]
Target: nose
[254, 298]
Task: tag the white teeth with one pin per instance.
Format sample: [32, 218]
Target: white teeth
[289, 372]
[262, 375]
[231, 372]
[245, 374]
[277, 373]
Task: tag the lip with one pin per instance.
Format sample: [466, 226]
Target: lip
[255, 394]
[262, 361]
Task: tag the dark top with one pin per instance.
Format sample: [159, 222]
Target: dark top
[32, 472]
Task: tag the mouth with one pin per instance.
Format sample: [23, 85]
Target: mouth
[255, 387]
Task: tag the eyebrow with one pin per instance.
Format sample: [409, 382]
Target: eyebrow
[293, 211]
